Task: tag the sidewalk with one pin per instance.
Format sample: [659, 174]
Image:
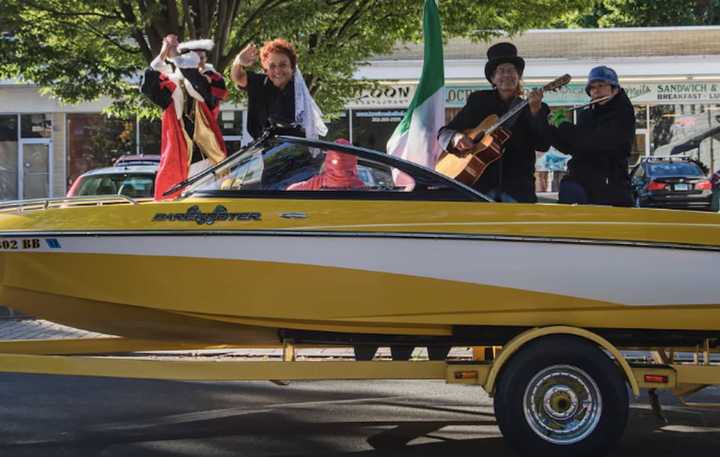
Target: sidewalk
[38, 329]
[33, 329]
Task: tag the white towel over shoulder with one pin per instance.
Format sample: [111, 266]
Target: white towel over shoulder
[307, 113]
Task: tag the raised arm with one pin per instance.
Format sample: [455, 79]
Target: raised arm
[245, 58]
[168, 51]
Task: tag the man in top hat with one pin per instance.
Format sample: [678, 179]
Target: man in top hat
[189, 91]
[511, 178]
[600, 142]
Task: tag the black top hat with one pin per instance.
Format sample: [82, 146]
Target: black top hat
[501, 53]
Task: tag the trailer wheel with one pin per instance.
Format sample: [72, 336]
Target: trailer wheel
[561, 396]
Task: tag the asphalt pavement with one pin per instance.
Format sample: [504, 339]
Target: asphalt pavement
[48, 416]
[54, 416]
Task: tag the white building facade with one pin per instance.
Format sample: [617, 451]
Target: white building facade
[672, 76]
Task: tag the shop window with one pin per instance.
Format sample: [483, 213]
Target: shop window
[339, 127]
[231, 126]
[641, 116]
[638, 149]
[95, 141]
[150, 136]
[662, 120]
[8, 157]
[233, 146]
[36, 125]
[684, 129]
[450, 113]
[231, 123]
[373, 128]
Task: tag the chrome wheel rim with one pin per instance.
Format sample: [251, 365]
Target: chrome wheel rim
[562, 404]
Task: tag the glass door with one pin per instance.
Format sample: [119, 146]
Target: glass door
[9, 157]
[34, 168]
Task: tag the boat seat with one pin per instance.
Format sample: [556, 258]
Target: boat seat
[106, 189]
[129, 190]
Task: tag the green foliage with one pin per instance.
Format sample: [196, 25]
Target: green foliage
[559, 117]
[645, 13]
[81, 50]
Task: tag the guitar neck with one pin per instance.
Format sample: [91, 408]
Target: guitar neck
[505, 117]
[554, 85]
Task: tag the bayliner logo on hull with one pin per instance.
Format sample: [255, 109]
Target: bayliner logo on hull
[219, 214]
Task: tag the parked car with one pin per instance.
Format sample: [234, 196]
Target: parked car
[671, 182]
[133, 176]
[137, 159]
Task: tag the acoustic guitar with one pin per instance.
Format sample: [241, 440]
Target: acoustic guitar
[489, 138]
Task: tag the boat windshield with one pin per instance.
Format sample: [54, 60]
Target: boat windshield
[288, 166]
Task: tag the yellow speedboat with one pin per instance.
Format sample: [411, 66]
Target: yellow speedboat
[289, 240]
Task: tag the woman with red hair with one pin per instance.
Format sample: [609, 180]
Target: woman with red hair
[280, 96]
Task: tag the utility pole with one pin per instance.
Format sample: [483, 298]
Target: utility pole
[712, 140]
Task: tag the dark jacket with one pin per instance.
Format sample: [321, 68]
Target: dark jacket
[514, 172]
[600, 144]
[268, 105]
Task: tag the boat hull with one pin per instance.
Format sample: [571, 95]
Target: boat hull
[242, 287]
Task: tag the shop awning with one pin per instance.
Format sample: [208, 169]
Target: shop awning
[687, 143]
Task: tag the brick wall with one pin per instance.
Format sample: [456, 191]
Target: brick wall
[59, 174]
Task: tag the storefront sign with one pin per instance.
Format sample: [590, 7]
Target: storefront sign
[675, 92]
[400, 96]
[386, 96]
[381, 116]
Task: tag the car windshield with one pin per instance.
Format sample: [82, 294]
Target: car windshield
[294, 167]
[675, 169]
[133, 185]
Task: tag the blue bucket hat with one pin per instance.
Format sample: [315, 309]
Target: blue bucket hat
[604, 74]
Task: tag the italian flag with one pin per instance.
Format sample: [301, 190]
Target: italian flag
[415, 138]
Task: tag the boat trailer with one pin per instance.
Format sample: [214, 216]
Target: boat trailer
[538, 380]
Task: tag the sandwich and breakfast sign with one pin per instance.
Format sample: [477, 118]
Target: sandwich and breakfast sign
[676, 92]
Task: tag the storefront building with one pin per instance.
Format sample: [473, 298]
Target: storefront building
[672, 75]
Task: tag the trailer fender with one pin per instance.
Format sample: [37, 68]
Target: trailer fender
[520, 340]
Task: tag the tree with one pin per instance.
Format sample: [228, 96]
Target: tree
[81, 50]
[646, 13]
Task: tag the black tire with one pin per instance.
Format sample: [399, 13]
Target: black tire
[552, 376]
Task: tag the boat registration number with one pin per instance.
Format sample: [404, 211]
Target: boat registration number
[15, 245]
[681, 187]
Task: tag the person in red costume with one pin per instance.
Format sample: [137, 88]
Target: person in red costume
[339, 171]
[189, 91]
